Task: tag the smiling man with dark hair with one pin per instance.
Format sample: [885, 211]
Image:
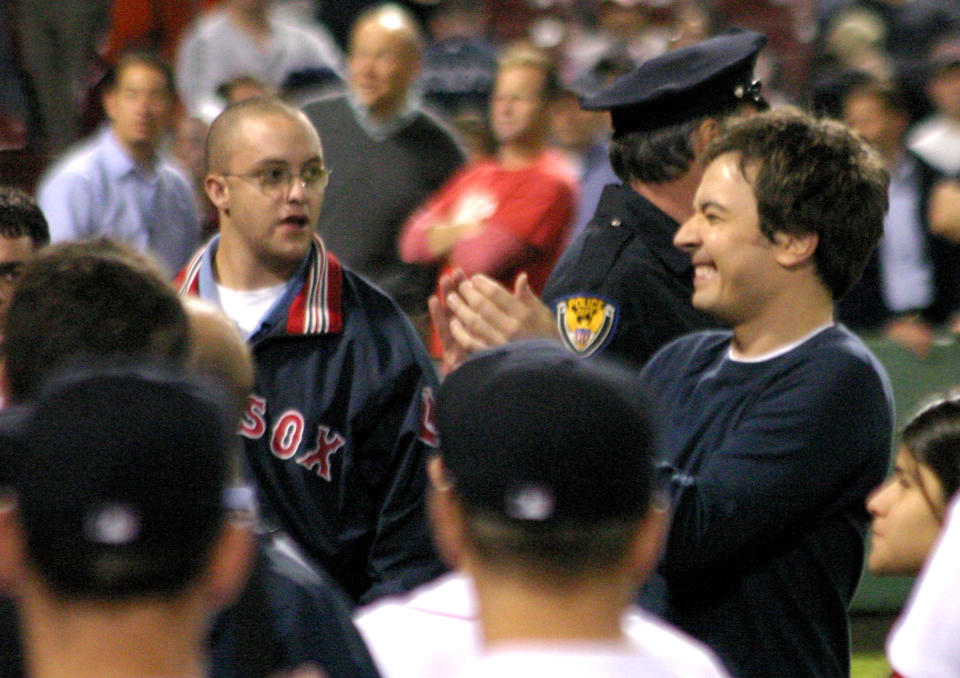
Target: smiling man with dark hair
[774, 431]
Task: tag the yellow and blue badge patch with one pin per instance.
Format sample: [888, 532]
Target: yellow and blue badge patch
[585, 323]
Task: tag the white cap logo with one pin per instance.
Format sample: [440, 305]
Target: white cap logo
[112, 524]
[530, 502]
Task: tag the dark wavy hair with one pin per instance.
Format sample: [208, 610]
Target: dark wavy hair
[20, 215]
[812, 176]
[932, 438]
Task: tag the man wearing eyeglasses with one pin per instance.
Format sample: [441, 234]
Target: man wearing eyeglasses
[339, 423]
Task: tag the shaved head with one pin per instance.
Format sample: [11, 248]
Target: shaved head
[222, 137]
[218, 351]
[395, 20]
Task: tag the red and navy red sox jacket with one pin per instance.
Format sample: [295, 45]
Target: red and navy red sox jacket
[339, 426]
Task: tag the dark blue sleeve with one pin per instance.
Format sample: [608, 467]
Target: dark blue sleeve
[288, 616]
[809, 447]
[402, 556]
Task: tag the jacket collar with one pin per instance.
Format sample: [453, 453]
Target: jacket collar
[315, 309]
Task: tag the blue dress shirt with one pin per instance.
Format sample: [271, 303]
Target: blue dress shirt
[98, 190]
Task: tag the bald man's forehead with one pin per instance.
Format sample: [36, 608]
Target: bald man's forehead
[272, 118]
[244, 133]
[218, 350]
[391, 24]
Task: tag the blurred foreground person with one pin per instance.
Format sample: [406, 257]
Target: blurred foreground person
[119, 576]
[553, 526]
[101, 300]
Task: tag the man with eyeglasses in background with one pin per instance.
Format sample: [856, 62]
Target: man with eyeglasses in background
[340, 421]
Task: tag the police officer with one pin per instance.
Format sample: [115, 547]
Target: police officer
[621, 286]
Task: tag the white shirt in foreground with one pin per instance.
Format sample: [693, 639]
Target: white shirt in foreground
[434, 632]
[925, 642]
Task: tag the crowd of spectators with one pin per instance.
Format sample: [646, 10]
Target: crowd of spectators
[227, 50]
[329, 173]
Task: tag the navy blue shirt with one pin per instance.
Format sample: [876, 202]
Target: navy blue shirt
[768, 465]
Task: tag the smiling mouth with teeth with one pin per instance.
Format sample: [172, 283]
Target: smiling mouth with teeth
[704, 272]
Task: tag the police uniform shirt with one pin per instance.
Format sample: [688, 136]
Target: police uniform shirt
[621, 287]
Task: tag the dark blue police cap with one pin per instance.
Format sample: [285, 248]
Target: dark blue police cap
[686, 83]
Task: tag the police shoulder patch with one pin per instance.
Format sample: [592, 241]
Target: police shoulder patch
[585, 323]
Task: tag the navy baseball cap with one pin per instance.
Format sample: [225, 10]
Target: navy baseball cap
[684, 84]
[119, 476]
[530, 432]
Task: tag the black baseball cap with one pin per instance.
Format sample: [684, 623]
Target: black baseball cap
[119, 475]
[530, 432]
[684, 84]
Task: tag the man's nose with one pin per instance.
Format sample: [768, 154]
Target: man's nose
[687, 236]
[876, 499]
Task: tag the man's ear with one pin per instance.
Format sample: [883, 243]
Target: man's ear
[795, 250]
[445, 513]
[12, 544]
[648, 540]
[704, 134]
[109, 102]
[437, 474]
[216, 187]
[4, 384]
[230, 561]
